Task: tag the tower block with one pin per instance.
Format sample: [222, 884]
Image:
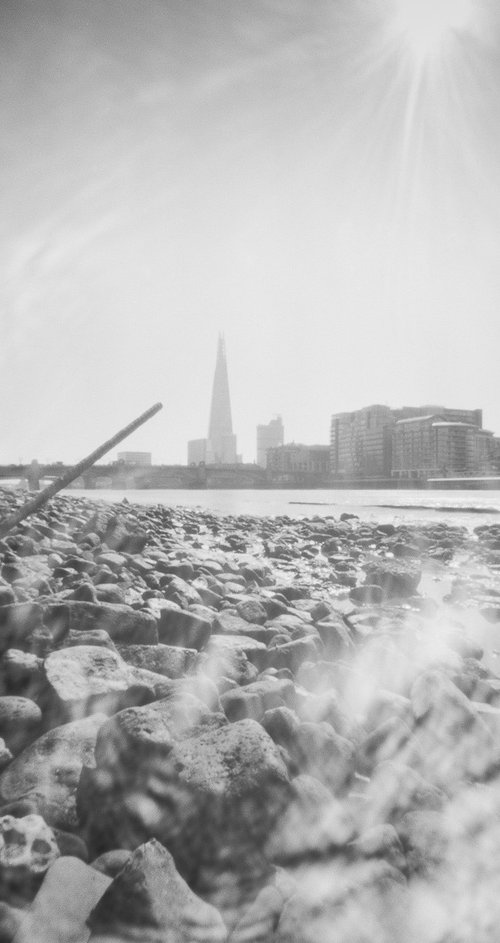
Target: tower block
[221, 444]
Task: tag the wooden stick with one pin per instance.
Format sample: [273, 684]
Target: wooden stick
[74, 472]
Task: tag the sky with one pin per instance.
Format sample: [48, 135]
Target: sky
[319, 180]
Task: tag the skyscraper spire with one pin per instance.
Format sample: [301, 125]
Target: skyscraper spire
[220, 447]
[221, 441]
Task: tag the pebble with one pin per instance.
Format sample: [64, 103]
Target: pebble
[200, 704]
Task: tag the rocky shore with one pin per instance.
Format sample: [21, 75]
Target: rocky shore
[247, 730]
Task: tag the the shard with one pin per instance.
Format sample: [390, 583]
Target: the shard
[221, 445]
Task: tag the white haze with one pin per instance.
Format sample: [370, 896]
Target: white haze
[290, 173]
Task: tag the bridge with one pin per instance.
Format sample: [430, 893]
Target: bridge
[119, 475]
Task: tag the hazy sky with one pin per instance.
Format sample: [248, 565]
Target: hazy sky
[317, 179]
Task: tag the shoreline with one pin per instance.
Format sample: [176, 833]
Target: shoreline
[245, 706]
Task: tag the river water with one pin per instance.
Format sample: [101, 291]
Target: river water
[469, 507]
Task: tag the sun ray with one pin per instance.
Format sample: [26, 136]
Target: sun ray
[426, 26]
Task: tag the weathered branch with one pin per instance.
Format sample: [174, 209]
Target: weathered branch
[74, 472]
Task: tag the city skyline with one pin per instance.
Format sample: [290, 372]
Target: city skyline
[320, 182]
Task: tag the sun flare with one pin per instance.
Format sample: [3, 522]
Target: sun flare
[426, 25]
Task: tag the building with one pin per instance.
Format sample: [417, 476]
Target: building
[220, 446]
[269, 436]
[433, 447]
[414, 442]
[300, 464]
[135, 458]
[361, 443]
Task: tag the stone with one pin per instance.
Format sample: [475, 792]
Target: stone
[282, 725]
[381, 841]
[367, 593]
[184, 628]
[23, 673]
[17, 622]
[397, 578]
[257, 697]
[260, 919]
[70, 844]
[148, 900]
[168, 660]
[240, 704]
[353, 903]
[385, 742]
[7, 596]
[335, 636]
[184, 569]
[123, 624]
[252, 610]
[112, 559]
[210, 797]
[48, 771]
[112, 862]
[181, 592]
[27, 849]
[324, 754]
[59, 913]
[110, 593]
[292, 654]
[424, 837]
[313, 824]
[20, 721]
[227, 622]
[5, 755]
[87, 679]
[222, 648]
[91, 637]
[10, 921]
[396, 789]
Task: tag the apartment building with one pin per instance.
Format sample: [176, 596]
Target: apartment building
[432, 447]
[361, 443]
[414, 442]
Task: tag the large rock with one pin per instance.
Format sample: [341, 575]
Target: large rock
[172, 661]
[23, 673]
[230, 623]
[20, 720]
[357, 903]
[184, 628]
[181, 592]
[70, 891]
[122, 623]
[252, 610]
[256, 698]
[87, 679]
[212, 799]
[149, 901]
[292, 654]
[27, 849]
[396, 789]
[48, 771]
[17, 622]
[313, 824]
[222, 646]
[134, 739]
[397, 578]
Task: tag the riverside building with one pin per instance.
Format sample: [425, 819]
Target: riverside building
[415, 442]
[299, 464]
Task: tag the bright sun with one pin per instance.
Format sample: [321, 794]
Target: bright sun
[425, 25]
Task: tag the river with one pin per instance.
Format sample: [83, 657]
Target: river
[468, 507]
